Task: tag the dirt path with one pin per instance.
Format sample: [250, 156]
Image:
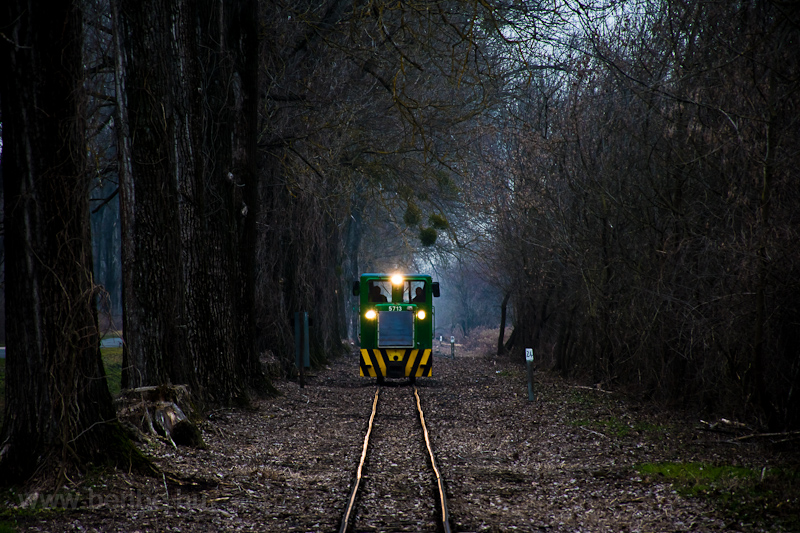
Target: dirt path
[566, 462]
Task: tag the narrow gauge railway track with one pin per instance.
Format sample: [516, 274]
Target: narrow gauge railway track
[397, 485]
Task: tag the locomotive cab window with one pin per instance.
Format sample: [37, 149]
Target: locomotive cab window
[380, 292]
[414, 292]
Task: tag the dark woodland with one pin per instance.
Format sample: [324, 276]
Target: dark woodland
[614, 184]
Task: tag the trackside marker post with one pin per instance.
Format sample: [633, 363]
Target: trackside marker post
[529, 364]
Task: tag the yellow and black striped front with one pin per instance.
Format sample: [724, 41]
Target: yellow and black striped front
[396, 362]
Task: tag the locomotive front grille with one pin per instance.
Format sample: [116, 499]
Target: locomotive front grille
[395, 362]
[396, 329]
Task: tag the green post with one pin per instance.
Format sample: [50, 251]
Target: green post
[298, 340]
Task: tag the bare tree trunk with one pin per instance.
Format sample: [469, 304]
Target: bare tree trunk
[214, 213]
[192, 96]
[352, 244]
[503, 310]
[126, 191]
[154, 327]
[758, 385]
[58, 410]
[247, 128]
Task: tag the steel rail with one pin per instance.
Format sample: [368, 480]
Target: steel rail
[439, 480]
[353, 494]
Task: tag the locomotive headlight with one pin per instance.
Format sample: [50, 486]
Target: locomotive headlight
[421, 314]
[370, 315]
[397, 279]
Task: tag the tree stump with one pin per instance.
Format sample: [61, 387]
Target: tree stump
[160, 411]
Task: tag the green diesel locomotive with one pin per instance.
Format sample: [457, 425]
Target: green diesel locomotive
[396, 324]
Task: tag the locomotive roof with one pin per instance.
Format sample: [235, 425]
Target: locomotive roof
[387, 275]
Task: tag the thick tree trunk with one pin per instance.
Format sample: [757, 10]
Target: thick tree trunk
[247, 129]
[214, 214]
[58, 409]
[154, 327]
[192, 104]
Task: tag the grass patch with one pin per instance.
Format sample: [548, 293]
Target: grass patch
[7, 527]
[2, 391]
[615, 427]
[698, 479]
[14, 519]
[112, 362]
[582, 398]
[513, 373]
[748, 496]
